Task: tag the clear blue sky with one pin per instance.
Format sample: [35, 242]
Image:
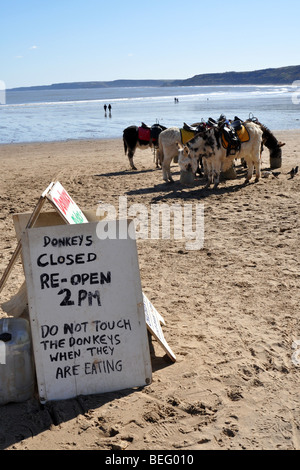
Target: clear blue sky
[50, 41]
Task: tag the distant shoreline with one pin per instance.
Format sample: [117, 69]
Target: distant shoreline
[64, 141]
[274, 76]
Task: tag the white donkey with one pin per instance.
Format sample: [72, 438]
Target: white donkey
[168, 150]
[169, 141]
[208, 145]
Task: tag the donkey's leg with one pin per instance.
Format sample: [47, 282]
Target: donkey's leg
[250, 170]
[209, 173]
[257, 164]
[164, 171]
[167, 170]
[216, 173]
[130, 158]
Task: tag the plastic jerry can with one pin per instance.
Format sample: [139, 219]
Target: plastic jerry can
[17, 377]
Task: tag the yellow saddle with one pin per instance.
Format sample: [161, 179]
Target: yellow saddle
[186, 135]
[242, 134]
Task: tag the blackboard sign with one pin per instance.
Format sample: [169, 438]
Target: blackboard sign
[86, 311]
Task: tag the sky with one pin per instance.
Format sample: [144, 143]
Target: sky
[54, 41]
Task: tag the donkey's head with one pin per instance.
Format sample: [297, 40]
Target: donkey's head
[276, 151]
[187, 166]
[276, 155]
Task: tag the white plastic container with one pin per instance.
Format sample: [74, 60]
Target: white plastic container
[17, 378]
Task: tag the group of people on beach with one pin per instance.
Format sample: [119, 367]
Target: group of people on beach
[109, 109]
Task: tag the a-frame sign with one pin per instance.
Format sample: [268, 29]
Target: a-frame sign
[72, 214]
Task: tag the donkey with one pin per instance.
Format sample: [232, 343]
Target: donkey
[169, 141]
[141, 137]
[208, 145]
[270, 141]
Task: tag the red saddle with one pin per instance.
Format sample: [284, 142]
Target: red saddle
[144, 134]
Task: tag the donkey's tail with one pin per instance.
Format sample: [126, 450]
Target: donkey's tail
[125, 146]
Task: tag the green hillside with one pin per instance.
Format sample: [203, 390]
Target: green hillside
[278, 76]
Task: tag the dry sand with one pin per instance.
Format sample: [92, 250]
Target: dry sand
[231, 308]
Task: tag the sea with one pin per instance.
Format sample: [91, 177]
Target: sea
[66, 114]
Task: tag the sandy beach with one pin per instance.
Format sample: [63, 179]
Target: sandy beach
[231, 308]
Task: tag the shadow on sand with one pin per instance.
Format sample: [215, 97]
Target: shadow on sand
[20, 421]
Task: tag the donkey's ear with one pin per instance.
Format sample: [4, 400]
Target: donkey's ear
[281, 144]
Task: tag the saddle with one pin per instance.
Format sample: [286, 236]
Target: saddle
[189, 128]
[212, 123]
[186, 135]
[144, 133]
[233, 134]
[188, 132]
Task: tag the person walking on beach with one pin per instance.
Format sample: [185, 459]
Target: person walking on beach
[105, 108]
[109, 109]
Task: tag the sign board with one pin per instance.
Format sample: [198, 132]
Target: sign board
[65, 204]
[154, 320]
[86, 311]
